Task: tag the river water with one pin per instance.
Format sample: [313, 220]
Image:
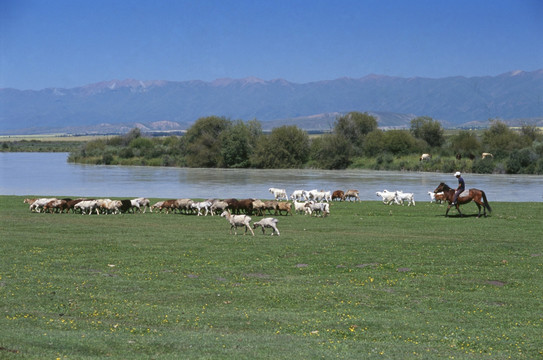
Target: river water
[49, 174]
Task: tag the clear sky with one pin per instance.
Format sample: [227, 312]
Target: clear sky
[69, 43]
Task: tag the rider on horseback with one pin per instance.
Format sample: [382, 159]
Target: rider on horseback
[461, 187]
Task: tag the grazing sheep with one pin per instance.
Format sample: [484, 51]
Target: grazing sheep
[143, 202]
[349, 194]
[338, 195]
[267, 222]
[317, 208]
[184, 205]
[157, 206]
[284, 206]
[238, 220]
[218, 207]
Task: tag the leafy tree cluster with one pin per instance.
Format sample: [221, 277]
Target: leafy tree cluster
[210, 142]
[355, 141]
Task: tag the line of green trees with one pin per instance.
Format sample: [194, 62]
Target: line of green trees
[354, 142]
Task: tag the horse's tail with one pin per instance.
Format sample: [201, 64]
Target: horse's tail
[487, 205]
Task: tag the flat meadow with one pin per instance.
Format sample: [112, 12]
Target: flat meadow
[369, 281]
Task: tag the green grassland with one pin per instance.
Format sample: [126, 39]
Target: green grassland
[369, 281]
[45, 143]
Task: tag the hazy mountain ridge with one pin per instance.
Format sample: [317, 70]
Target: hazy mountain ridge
[394, 100]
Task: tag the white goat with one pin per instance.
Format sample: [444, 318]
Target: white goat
[206, 205]
[88, 207]
[143, 202]
[401, 197]
[267, 222]
[299, 207]
[388, 197]
[297, 195]
[319, 195]
[279, 193]
[238, 220]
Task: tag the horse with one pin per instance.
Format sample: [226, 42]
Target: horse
[478, 196]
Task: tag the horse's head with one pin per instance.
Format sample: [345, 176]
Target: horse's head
[441, 188]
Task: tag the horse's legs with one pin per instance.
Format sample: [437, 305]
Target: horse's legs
[479, 205]
[457, 208]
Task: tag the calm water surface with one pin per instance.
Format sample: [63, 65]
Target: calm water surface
[49, 174]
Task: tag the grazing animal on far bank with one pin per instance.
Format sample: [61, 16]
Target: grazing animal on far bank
[425, 157]
[486, 155]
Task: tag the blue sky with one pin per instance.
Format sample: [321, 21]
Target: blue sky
[69, 43]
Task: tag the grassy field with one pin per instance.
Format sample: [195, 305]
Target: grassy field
[370, 281]
[44, 143]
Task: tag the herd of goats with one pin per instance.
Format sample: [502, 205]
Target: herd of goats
[312, 203]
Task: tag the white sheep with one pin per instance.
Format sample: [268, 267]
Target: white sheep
[267, 222]
[238, 220]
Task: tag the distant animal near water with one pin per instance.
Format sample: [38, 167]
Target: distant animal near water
[486, 155]
[425, 157]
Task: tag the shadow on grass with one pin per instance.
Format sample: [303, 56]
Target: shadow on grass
[460, 216]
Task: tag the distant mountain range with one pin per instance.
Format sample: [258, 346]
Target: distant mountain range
[117, 106]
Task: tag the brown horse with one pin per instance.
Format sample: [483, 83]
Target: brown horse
[476, 195]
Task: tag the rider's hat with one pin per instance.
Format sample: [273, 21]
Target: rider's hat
[457, 173]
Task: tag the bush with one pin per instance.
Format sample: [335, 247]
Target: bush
[521, 162]
[400, 142]
[483, 166]
[449, 166]
[107, 158]
[331, 151]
